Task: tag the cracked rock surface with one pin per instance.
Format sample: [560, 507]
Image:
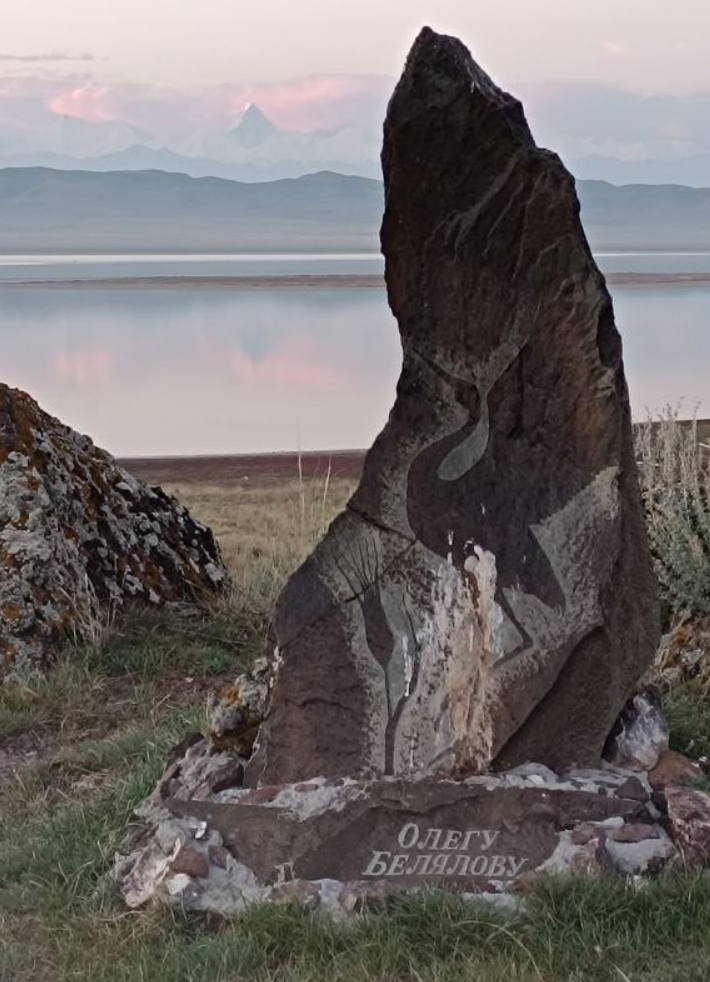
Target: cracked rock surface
[78, 532]
[487, 596]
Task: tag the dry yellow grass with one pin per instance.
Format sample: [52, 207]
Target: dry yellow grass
[268, 526]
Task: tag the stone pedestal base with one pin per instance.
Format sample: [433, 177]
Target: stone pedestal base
[342, 843]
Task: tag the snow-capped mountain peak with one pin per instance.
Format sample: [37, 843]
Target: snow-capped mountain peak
[253, 128]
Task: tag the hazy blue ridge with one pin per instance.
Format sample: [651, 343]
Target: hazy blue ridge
[45, 209]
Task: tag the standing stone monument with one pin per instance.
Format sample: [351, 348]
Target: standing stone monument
[485, 600]
[487, 596]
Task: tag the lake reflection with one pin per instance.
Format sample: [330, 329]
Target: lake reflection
[200, 371]
[197, 371]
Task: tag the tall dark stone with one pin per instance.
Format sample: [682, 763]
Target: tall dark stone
[487, 596]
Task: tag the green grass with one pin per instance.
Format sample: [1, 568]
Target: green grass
[58, 921]
[60, 824]
[150, 642]
[105, 718]
[687, 710]
[596, 931]
[50, 836]
[136, 660]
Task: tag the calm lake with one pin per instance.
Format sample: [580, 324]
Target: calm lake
[194, 370]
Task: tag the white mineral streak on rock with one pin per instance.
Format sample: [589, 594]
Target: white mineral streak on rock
[500, 635]
[449, 685]
[323, 797]
[139, 886]
[400, 619]
[177, 884]
[636, 858]
[215, 574]
[642, 736]
[570, 858]
[450, 554]
[284, 873]
[408, 667]
[227, 892]
[276, 663]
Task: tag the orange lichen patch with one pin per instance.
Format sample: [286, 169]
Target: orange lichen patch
[20, 415]
[230, 695]
[7, 559]
[8, 652]
[685, 638]
[241, 742]
[11, 612]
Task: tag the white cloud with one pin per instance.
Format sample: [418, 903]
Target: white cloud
[47, 57]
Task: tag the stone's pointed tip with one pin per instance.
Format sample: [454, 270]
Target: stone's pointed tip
[426, 35]
[441, 59]
[429, 45]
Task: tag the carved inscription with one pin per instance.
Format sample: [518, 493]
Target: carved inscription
[444, 852]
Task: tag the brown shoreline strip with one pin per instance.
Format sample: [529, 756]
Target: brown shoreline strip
[259, 468]
[331, 281]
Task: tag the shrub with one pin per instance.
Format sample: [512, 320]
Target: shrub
[675, 482]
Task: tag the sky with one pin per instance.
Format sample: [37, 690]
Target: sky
[629, 78]
[646, 45]
[618, 78]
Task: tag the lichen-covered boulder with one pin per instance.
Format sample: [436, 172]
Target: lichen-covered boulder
[77, 532]
[487, 596]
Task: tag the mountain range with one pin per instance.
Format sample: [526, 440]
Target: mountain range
[689, 171]
[252, 150]
[46, 210]
[255, 149]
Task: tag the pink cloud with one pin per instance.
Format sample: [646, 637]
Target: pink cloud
[290, 363]
[319, 101]
[315, 102]
[90, 367]
[90, 102]
[615, 48]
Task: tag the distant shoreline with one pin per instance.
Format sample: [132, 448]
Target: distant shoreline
[260, 468]
[266, 467]
[329, 281]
